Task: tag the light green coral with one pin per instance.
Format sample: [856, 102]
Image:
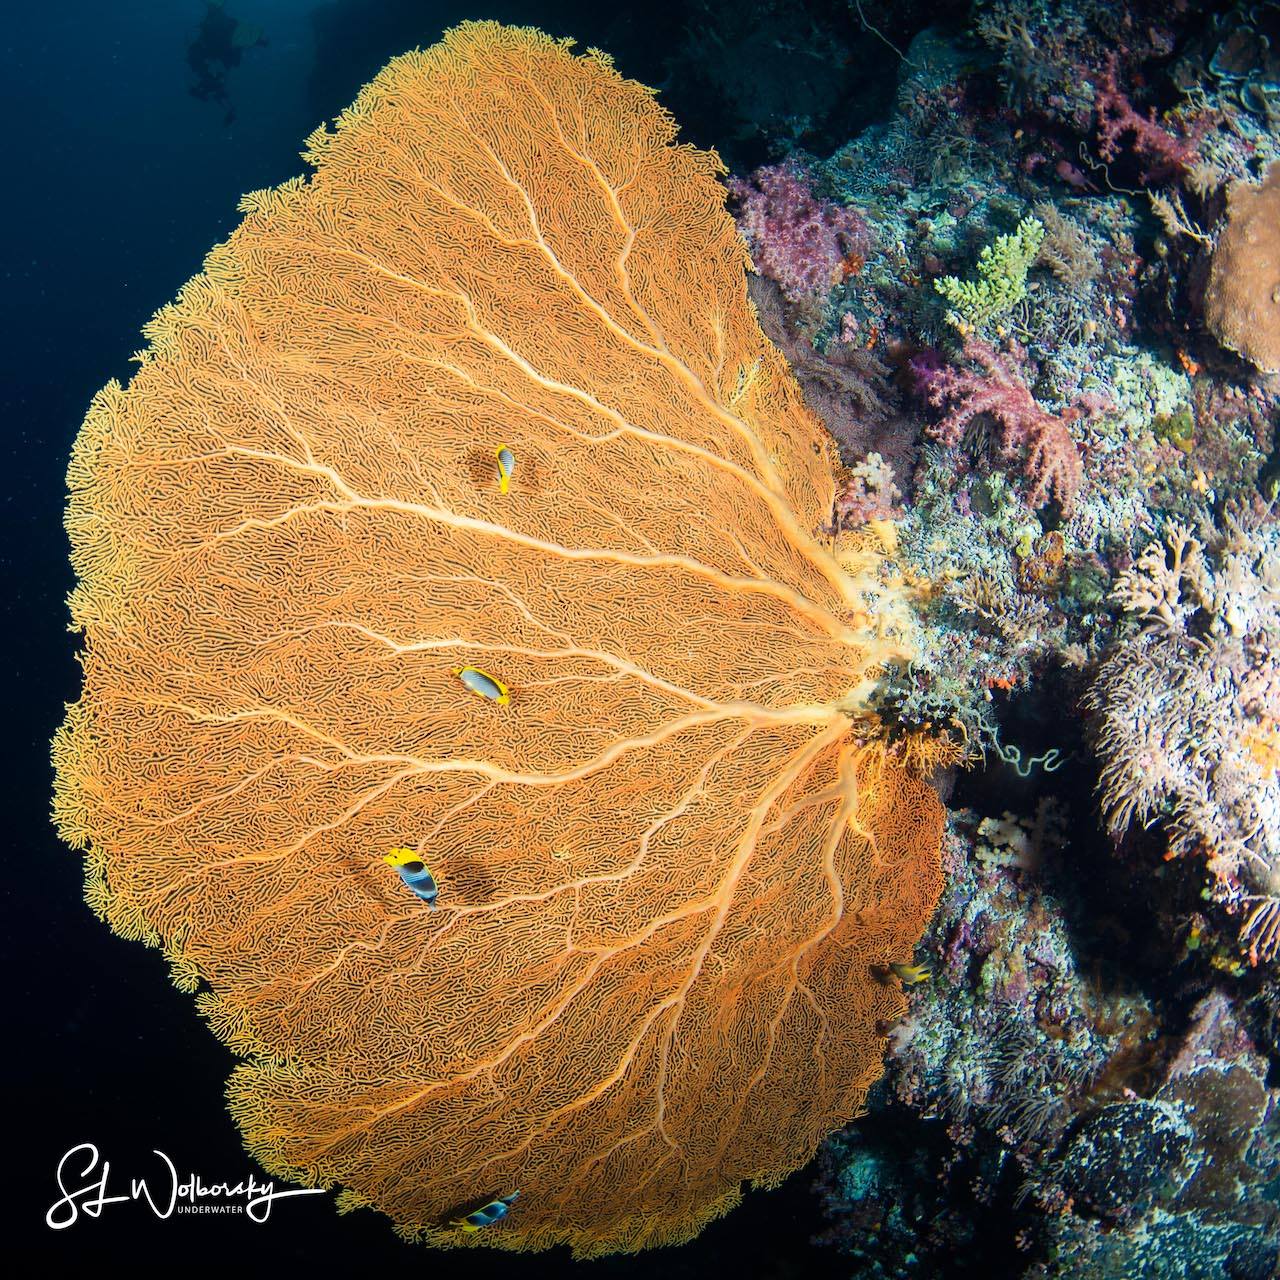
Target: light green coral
[1001, 282]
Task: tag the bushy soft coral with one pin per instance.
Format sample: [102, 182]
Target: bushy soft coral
[1189, 713]
[795, 238]
[869, 493]
[1052, 460]
[1164, 155]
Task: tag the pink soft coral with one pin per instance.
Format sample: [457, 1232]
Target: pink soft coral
[1164, 154]
[1052, 460]
[795, 238]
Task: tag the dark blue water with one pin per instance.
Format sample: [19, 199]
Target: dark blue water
[118, 180]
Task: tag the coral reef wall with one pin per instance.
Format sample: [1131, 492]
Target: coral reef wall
[1034, 297]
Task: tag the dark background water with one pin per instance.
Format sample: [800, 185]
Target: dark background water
[117, 182]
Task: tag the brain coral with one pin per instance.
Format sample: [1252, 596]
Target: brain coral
[668, 866]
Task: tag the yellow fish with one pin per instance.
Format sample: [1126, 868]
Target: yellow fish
[506, 465]
[413, 871]
[483, 685]
[910, 974]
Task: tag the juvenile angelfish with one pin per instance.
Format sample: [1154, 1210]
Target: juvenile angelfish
[413, 871]
[490, 1213]
[506, 465]
[483, 685]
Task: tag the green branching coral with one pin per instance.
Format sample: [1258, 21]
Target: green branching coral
[1001, 282]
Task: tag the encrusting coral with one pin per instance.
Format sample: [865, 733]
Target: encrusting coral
[668, 866]
[1242, 301]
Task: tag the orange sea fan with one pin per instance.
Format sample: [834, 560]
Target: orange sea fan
[667, 867]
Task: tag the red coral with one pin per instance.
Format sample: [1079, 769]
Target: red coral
[806, 244]
[1164, 154]
[1052, 460]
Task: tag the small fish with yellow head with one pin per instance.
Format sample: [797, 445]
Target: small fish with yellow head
[413, 871]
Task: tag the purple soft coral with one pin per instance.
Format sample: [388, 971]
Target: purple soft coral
[795, 238]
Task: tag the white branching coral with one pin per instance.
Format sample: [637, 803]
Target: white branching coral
[1154, 586]
[1188, 712]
